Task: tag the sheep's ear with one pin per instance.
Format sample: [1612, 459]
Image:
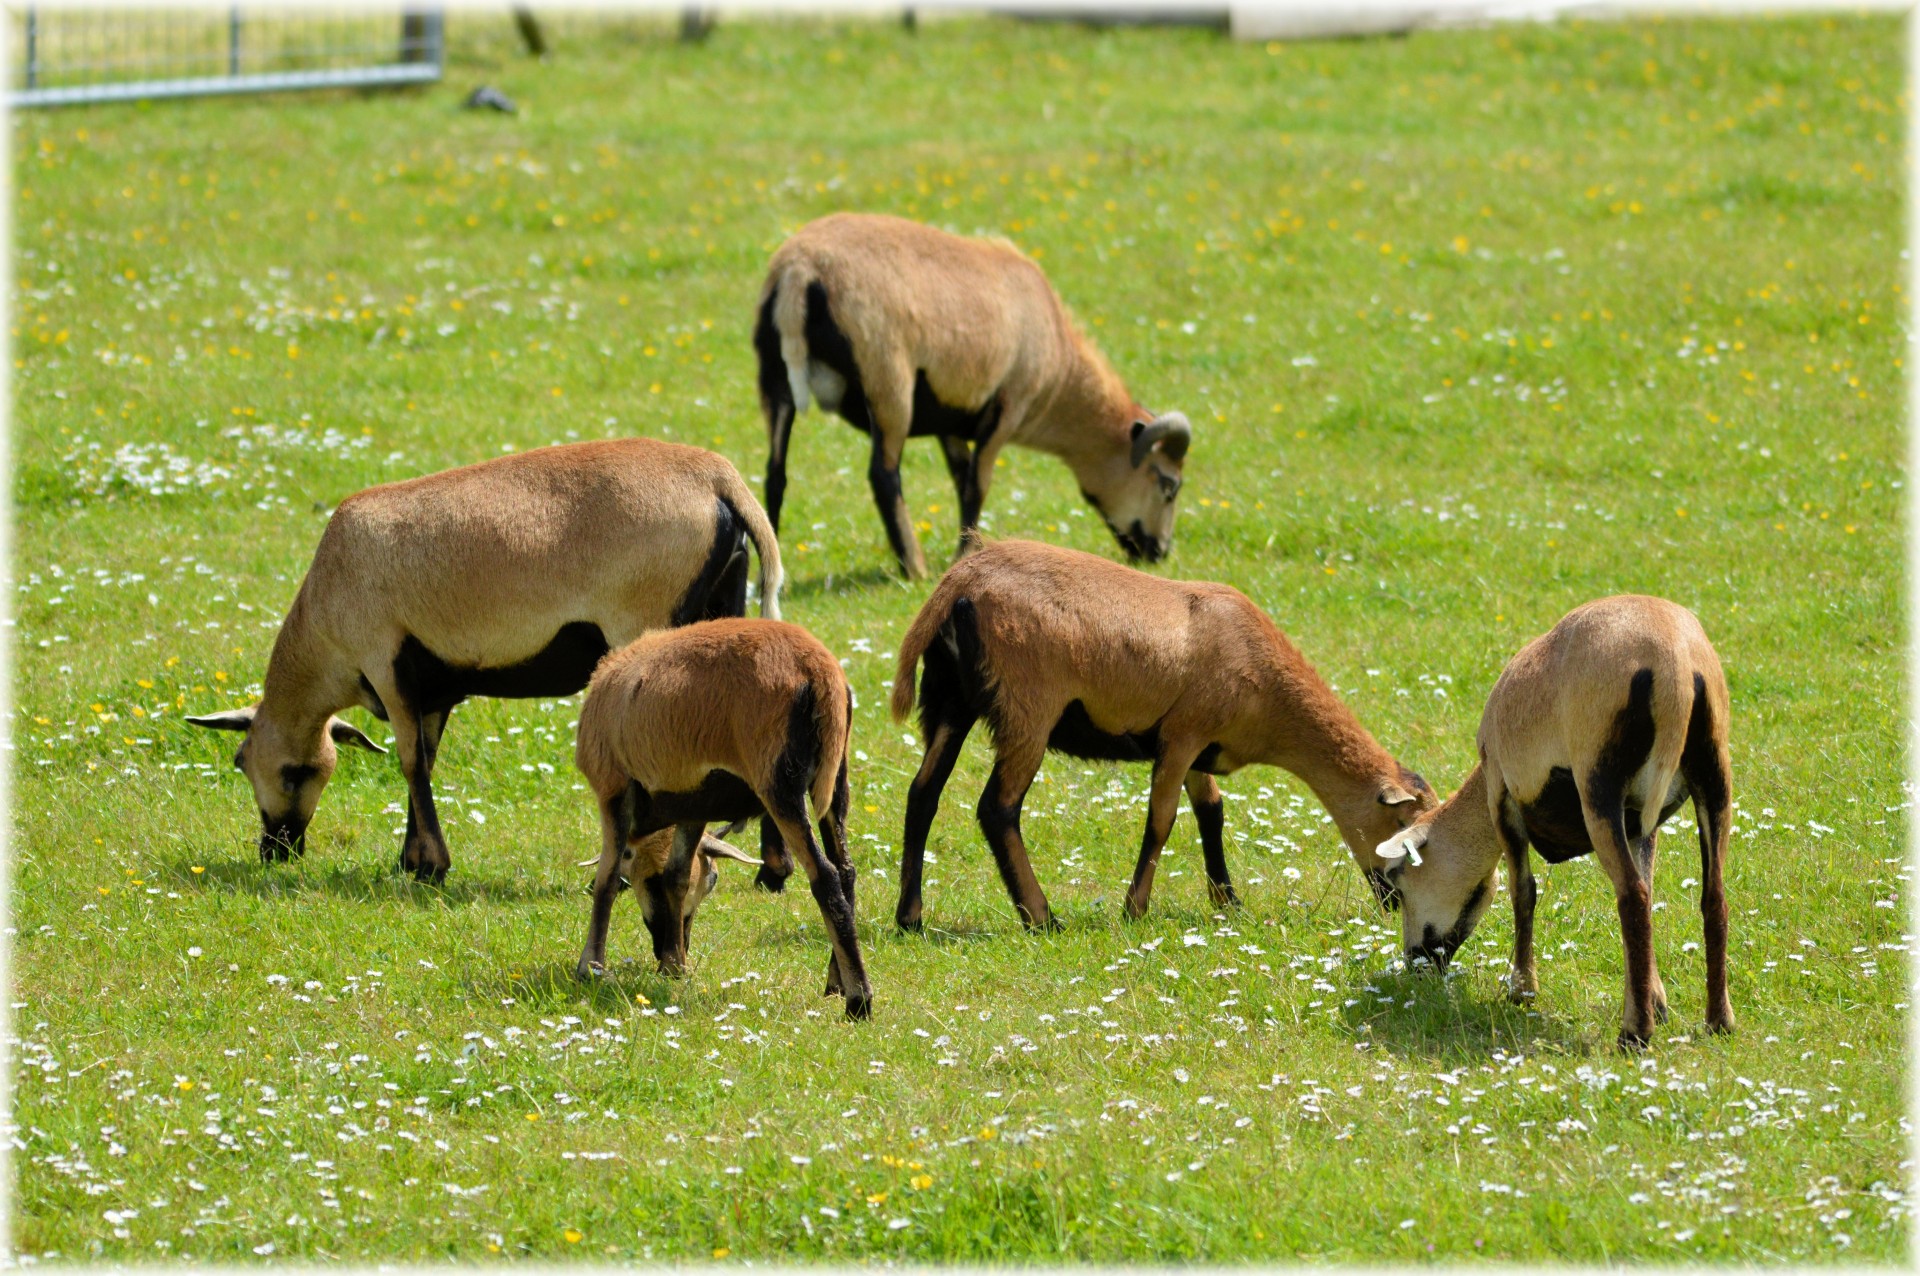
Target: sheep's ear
[1392, 794]
[1171, 430]
[715, 849]
[347, 733]
[1404, 846]
[228, 720]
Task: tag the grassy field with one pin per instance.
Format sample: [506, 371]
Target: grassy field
[1473, 326]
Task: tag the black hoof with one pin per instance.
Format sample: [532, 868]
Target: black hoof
[1632, 1043]
[859, 1007]
[769, 881]
[911, 925]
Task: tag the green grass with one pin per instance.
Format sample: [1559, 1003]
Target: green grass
[1474, 326]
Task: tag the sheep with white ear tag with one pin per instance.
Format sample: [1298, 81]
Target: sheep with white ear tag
[1593, 736]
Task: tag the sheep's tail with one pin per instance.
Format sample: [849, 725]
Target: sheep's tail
[788, 283]
[736, 493]
[920, 635]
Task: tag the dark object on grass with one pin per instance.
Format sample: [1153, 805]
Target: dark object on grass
[696, 23]
[486, 97]
[530, 32]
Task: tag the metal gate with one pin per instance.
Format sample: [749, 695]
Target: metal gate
[65, 56]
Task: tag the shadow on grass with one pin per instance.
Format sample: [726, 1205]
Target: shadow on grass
[1420, 1015]
[554, 985]
[360, 883]
[841, 584]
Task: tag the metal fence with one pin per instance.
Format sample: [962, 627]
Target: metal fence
[65, 56]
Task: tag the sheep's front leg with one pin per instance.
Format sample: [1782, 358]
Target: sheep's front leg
[883, 476]
[424, 852]
[434, 725]
[606, 885]
[776, 866]
[1523, 982]
[1163, 803]
[1209, 812]
[999, 813]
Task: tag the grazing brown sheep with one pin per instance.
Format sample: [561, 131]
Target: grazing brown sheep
[725, 720]
[512, 578]
[1595, 733]
[1060, 650]
[907, 330]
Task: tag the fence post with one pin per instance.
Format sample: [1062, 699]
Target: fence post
[233, 40]
[414, 24]
[33, 47]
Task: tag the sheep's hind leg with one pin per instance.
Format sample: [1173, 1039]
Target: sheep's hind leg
[833, 836]
[1209, 812]
[1704, 764]
[1634, 902]
[923, 800]
[836, 910]
[1643, 857]
[999, 814]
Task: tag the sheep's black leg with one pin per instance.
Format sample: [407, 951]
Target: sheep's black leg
[776, 866]
[776, 400]
[948, 733]
[1209, 812]
[607, 883]
[1643, 848]
[1523, 982]
[424, 853]
[963, 464]
[999, 814]
[1708, 773]
[883, 475]
[832, 892]
[434, 726]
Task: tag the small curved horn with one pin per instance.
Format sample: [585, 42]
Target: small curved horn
[715, 849]
[228, 720]
[1171, 430]
[344, 732]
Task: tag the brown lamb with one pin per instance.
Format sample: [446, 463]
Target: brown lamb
[720, 721]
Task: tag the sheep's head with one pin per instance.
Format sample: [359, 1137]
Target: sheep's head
[670, 896]
[1399, 798]
[288, 771]
[1444, 878]
[1135, 490]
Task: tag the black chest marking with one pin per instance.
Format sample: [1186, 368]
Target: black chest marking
[931, 416]
[1209, 761]
[1555, 824]
[1558, 829]
[431, 685]
[1076, 736]
[722, 797]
